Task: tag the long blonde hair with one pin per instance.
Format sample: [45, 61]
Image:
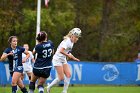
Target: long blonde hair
[68, 35]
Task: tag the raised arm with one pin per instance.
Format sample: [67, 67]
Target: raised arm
[5, 55]
[68, 54]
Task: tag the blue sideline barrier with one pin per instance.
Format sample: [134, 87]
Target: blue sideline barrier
[90, 73]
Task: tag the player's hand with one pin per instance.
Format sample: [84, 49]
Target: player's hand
[76, 59]
[11, 53]
[72, 57]
[24, 60]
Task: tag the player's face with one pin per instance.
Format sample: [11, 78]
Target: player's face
[74, 38]
[14, 42]
[26, 46]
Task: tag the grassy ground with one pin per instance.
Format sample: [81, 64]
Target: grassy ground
[87, 89]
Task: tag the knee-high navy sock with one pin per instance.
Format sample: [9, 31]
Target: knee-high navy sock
[24, 90]
[31, 87]
[41, 88]
[14, 89]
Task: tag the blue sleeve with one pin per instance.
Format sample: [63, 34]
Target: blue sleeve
[22, 49]
[51, 43]
[6, 51]
[36, 48]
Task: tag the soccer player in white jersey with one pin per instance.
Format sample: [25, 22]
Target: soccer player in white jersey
[59, 59]
[27, 66]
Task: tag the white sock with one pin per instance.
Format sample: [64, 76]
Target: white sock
[66, 83]
[41, 89]
[55, 81]
[31, 91]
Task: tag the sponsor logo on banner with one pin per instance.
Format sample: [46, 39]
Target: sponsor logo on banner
[111, 72]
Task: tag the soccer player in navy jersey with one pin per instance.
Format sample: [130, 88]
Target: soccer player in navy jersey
[14, 54]
[60, 59]
[43, 62]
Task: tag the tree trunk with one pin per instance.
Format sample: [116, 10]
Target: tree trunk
[104, 26]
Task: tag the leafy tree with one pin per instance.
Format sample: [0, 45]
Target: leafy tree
[110, 28]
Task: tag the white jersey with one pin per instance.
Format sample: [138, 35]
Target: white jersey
[67, 44]
[28, 64]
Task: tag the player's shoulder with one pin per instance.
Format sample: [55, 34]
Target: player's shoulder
[20, 47]
[8, 49]
[30, 51]
[49, 41]
[38, 45]
[67, 41]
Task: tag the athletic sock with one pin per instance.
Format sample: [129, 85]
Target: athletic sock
[66, 83]
[55, 81]
[14, 89]
[24, 90]
[40, 88]
[31, 87]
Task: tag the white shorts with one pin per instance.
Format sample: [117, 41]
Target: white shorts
[59, 62]
[27, 68]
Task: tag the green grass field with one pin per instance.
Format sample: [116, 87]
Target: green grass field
[87, 89]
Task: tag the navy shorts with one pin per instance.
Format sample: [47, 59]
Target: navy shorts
[45, 73]
[17, 69]
[11, 73]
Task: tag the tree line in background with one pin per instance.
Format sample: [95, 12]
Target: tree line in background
[110, 28]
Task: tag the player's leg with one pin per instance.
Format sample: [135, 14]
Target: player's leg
[60, 77]
[24, 70]
[15, 78]
[29, 72]
[22, 76]
[22, 86]
[67, 73]
[29, 75]
[41, 82]
[44, 74]
[32, 83]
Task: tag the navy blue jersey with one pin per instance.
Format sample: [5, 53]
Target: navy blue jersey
[44, 55]
[16, 59]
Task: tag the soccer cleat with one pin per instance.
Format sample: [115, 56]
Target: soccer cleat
[64, 91]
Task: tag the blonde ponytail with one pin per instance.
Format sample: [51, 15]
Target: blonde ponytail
[68, 35]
